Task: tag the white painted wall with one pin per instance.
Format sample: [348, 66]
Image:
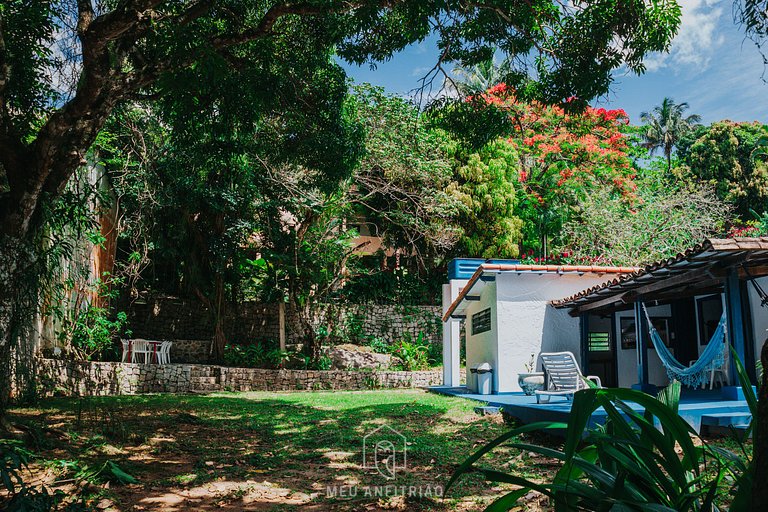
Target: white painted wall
[525, 323]
[627, 358]
[451, 335]
[482, 348]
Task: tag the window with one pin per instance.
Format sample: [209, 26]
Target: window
[481, 322]
[710, 310]
[629, 338]
[599, 342]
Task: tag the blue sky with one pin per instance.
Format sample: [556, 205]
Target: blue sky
[710, 65]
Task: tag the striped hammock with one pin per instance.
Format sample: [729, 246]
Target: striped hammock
[697, 374]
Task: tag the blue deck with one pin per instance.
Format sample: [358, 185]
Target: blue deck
[693, 405]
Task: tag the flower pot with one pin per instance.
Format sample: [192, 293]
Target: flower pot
[531, 382]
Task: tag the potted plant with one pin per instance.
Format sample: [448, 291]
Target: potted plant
[531, 381]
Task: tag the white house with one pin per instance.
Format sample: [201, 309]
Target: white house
[510, 311]
[507, 315]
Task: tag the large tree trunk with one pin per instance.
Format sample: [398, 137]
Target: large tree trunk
[18, 306]
[760, 438]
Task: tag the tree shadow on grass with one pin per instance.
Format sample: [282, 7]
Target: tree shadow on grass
[259, 452]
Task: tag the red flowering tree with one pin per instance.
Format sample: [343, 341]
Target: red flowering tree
[564, 158]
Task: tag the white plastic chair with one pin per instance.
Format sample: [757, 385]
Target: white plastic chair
[164, 353]
[141, 349]
[126, 349]
[564, 377]
[719, 373]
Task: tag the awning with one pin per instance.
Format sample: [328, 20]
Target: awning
[697, 271]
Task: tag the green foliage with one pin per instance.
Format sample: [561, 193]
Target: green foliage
[14, 460]
[486, 187]
[95, 332]
[107, 472]
[91, 328]
[402, 175]
[245, 356]
[28, 29]
[379, 345]
[726, 155]
[669, 216]
[627, 464]
[396, 284]
[413, 355]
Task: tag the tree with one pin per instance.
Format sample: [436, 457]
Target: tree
[728, 155]
[555, 161]
[486, 187]
[668, 217]
[665, 125]
[117, 50]
[482, 76]
[402, 177]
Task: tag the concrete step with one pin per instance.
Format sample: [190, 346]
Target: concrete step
[726, 419]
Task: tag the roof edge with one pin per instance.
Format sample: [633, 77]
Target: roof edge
[555, 269]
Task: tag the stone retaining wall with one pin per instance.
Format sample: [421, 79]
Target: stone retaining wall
[188, 324]
[108, 378]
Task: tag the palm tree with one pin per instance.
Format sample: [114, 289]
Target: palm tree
[482, 76]
[665, 125]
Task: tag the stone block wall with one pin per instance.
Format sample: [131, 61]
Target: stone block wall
[84, 378]
[190, 351]
[168, 318]
[188, 324]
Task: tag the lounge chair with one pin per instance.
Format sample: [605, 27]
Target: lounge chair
[564, 377]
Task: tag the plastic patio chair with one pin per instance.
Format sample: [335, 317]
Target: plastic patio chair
[164, 353]
[564, 377]
[126, 349]
[141, 349]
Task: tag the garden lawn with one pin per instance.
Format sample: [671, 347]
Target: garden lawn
[261, 451]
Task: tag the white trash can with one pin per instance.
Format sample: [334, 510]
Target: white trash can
[485, 379]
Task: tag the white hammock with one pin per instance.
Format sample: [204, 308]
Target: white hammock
[695, 375]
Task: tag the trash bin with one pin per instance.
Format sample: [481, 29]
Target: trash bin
[472, 378]
[484, 379]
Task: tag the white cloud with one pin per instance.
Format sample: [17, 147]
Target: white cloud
[420, 71]
[697, 39]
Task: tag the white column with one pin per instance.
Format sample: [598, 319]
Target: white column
[451, 340]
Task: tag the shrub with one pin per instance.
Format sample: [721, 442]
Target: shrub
[627, 464]
[245, 356]
[411, 355]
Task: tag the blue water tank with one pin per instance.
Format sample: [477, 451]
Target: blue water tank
[463, 268]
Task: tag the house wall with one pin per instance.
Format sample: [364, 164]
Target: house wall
[626, 359]
[482, 348]
[523, 322]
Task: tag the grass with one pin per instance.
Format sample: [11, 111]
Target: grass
[268, 451]
[262, 451]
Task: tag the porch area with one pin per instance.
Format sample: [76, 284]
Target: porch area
[707, 411]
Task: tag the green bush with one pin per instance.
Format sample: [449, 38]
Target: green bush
[379, 345]
[411, 355]
[627, 464]
[414, 355]
[93, 332]
[245, 356]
